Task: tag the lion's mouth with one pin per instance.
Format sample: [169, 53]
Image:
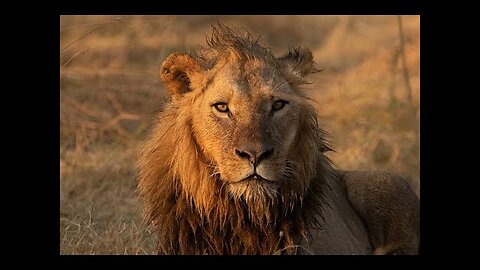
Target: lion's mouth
[255, 178]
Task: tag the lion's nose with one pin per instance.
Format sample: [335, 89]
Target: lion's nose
[255, 156]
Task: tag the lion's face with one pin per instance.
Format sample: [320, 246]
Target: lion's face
[245, 114]
[246, 122]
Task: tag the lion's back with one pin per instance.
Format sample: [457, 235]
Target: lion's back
[389, 208]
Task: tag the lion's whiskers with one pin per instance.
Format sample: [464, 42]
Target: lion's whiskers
[281, 84]
[214, 174]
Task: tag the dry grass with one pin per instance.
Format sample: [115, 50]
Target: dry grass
[110, 90]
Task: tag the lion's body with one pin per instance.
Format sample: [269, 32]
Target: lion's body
[235, 164]
[343, 232]
[370, 212]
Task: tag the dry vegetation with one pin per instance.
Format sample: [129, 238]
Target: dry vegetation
[110, 90]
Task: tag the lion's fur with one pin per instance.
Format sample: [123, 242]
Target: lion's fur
[393, 227]
[194, 215]
[191, 204]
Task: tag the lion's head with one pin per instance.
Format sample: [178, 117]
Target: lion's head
[237, 154]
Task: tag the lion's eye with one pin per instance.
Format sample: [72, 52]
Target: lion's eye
[221, 107]
[279, 104]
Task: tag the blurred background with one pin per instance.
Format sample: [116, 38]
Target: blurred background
[367, 97]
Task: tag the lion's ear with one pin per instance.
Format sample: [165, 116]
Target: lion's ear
[176, 73]
[296, 64]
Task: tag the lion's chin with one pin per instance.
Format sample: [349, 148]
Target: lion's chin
[253, 189]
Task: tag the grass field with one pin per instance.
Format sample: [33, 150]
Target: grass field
[110, 89]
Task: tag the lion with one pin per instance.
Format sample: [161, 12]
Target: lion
[235, 163]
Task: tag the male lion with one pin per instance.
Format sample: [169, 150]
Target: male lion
[235, 164]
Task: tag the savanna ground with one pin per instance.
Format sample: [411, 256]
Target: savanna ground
[110, 89]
